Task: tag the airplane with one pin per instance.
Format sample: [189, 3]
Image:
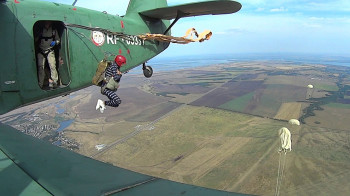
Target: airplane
[30, 166]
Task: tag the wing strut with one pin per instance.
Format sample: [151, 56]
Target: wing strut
[179, 15]
[75, 1]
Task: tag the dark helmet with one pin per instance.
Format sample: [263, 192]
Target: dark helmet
[120, 60]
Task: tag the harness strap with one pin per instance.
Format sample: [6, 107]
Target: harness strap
[52, 36]
[45, 53]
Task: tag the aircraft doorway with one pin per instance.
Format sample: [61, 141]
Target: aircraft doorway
[51, 54]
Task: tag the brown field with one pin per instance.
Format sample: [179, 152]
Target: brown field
[320, 162]
[180, 88]
[289, 111]
[299, 80]
[134, 101]
[94, 132]
[336, 118]
[186, 99]
[268, 100]
[194, 150]
[227, 92]
[269, 93]
[240, 156]
[154, 112]
[205, 159]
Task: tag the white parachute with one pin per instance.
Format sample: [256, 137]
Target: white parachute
[310, 91]
[286, 145]
[294, 122]
[286, 139]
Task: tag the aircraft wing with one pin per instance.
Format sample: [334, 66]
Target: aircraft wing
[30, 166]
[194, 9]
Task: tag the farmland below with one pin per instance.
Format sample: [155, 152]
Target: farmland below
[217, 126]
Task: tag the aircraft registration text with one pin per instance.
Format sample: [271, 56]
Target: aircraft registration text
[133, 40]
[98, 38]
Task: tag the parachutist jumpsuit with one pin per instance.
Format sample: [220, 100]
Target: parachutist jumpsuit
[114, 100]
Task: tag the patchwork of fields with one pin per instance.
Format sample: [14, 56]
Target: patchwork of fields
[219, 130]
[218, 127]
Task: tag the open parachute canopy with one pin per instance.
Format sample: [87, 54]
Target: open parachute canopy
[286, 139]
[294, 122]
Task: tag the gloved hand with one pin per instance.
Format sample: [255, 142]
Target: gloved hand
[53, 43]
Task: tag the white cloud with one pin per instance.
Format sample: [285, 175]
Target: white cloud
[317, 18]
[231, 31]
[281, 9]
[312, 25]
[221, 33]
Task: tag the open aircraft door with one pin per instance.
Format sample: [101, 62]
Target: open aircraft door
[61, 53]
[64, 63]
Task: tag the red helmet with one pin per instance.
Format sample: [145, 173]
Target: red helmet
[120, 60]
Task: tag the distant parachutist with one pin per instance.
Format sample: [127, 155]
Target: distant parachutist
[310, 91]
[286, 139]
[286, 145]
[294, 122]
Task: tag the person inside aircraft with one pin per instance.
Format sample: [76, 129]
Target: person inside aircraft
[111, 84]
[47, 39]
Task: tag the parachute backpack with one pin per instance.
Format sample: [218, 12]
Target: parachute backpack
[99, 75]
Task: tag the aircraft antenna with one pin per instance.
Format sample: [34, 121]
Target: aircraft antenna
[75, 1]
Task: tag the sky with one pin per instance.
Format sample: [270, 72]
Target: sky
[261, 26]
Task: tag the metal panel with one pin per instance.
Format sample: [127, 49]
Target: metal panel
[8, 71]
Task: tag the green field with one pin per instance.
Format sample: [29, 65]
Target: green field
[338, 105]
[238, 104]
[326, 87]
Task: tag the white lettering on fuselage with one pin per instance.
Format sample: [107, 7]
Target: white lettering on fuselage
[131, 40]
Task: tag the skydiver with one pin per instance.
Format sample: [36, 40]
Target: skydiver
[48, 38]
[111, 84]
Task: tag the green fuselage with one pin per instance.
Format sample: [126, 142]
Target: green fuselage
[81, 48]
